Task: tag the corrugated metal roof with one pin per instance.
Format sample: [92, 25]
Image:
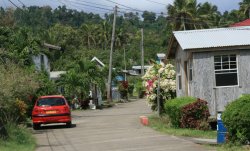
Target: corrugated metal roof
[161, 55]
[243, 23]
[56, 74]
[212, 38]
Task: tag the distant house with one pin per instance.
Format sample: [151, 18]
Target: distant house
[212, 64]
[160, 57]
[99, 63]
[41, 62]
[137, 69]
[95, 90]
[242, 23]
[55, 75]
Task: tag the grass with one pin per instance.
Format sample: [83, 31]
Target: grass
[20, 139]
[232, 147]
[163, 125]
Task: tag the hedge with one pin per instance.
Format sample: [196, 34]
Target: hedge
[173, 108]
[236, 119]
[195, 115]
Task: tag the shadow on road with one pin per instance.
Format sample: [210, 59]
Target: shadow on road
[53, 126]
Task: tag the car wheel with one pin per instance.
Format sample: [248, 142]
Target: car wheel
[68, 124]
[36, 126]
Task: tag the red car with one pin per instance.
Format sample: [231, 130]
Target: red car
[51, 109]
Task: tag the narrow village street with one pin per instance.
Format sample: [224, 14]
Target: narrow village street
[112, 129]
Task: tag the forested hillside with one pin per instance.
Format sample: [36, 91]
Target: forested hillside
[24, 30]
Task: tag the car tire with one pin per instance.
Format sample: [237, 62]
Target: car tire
[68, 124]
[36, 126]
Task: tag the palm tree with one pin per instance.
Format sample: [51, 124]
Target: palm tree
[208, 15]
[245, 8]
[182, 12]
[89, 33]
[104, 34]
[80, 76]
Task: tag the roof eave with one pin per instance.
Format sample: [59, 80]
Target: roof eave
[171, 48]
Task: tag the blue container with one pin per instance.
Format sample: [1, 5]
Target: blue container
[221, 137]
[221, 127]
[221, 130]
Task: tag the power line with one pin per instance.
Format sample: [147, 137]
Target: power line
[156, 2]
[124, 5]
[14, 4]
[21, 3]
[89, 5]
[134, 9]
[74, 5]
[95, 3]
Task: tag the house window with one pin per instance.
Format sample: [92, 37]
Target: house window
[190, 70]
[179, 75]
[226, 72]
[179, 80]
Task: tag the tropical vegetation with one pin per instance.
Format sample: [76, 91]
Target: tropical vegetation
[159, 80]
[236, 119]
[81, 36]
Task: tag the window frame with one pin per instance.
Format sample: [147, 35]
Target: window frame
[190, 70]
[226, 70]
[179, 77]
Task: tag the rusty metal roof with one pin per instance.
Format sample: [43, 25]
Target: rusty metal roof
[212, 38]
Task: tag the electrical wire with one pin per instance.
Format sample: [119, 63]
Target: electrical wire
[79, 3]
[14, 4]
[80, 8]
[21, 3]
[133, 9]
[124, 6]
[156, 2]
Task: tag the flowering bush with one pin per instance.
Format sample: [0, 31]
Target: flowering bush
[167, 83]
[123, 89]
[195, 115]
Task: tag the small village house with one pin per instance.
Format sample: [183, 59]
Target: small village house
[212, 64]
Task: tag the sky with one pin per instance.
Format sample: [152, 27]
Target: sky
[105, 6]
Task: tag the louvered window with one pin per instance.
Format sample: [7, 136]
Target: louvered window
[226, 71]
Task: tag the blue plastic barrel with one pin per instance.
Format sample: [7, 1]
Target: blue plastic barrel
[221, 130]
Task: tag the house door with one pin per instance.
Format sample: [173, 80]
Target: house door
[186, 77]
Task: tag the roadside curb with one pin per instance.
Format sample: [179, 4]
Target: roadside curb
[202, 141]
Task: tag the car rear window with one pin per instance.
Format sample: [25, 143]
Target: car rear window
[51, 102]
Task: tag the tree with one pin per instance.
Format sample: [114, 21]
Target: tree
[79, 77]
[89, 34]
[7, 17]
[182, 13]
[208, 15]
[148, 17]
[245, 8]
[104, 34]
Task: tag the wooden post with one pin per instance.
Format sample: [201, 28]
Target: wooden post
[109, 92]
[142, 53]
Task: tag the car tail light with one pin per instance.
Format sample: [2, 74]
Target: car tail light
[66, 109]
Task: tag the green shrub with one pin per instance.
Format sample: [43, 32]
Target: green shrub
[236, 118]
[140, 89]
[195, 115]
[173, 108]
[123, 89]
[130, 89]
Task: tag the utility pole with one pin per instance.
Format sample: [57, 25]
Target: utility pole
[109, 92]
[142, 54]
[158, 96]
[124, 54]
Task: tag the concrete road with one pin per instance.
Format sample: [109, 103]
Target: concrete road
[113, 129]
